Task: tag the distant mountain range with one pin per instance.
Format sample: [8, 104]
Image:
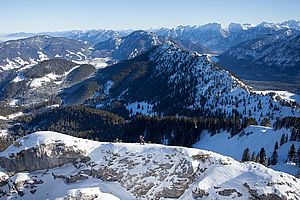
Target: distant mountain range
[266, 52]
[270, 58]
[214, 36]
[18, 53]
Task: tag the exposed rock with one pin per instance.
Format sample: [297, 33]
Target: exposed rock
[229, 192]
[5, 141]
[256, 196]
[199, 193]
[3, 179]
[42, 157]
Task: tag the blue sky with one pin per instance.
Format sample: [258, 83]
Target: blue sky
[58, 15]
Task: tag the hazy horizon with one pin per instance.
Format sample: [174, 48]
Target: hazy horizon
[154, 28]
[34, 16]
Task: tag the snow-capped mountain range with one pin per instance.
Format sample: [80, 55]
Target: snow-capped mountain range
[219, 38]
[215, 36]
[270, 58]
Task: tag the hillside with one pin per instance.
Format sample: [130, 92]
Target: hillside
[254, 138]
[271, 58]
[126, 47]
[132, 171]
[18, 53]
[169, 80]
[41, 82]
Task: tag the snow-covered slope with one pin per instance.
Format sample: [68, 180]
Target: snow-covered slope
[176, 80]
[270, 58]
[123, 48]
[18, 53]
[42, 82]
[278, 49]
[254, 138]
[132, 171]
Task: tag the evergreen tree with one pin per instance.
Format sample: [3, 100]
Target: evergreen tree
[292, 154]
[269, 161]
[265, 122]
[263, 157]
[298, 157]
[246, 155]
[253, 156]
[274, 157]
[282, 139]
[257, 158]
[276, 145]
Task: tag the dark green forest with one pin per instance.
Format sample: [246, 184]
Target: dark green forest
[102, 125]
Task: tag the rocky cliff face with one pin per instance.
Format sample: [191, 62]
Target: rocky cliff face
[42, 157]
[135, 172]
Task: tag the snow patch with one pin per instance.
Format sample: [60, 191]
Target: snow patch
[14, 102]
[42, 56]
[98, 63]
[107, 87]
[282, 94]
[38, 82]
[142, 108]
[11, 116]
[91, 193]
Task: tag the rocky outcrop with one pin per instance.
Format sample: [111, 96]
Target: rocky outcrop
[5, 141]
[229, 192]
[42, 157]
[178, 175]
[256, 196]
[141, 171]
[3, 179]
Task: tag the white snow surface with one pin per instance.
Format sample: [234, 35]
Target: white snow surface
[254, 138]
[11, 116]
[141, 108]
[42, 56]
[219, 172]
[282, 94]
[107, 87]
[38, 82]
[14, 102]
[18, 78]
[94, 192]
[98, 63]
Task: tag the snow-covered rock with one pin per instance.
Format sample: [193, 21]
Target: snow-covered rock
[133, 171]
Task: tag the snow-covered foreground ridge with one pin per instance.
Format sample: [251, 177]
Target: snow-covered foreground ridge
[50, 165]
[254, 138]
